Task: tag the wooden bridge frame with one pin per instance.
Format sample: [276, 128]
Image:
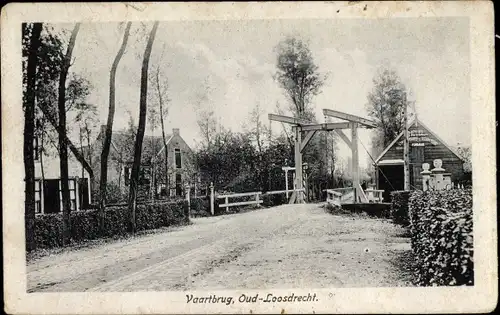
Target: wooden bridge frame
[301, 126]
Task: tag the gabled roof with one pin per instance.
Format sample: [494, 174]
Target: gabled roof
[122, 143]
[413, 121]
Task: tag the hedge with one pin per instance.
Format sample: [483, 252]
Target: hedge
[84, 224]
[442, 238]
[200, 206]
[274, 200]
[399, 207]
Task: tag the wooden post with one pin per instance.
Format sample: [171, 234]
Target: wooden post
[406, 147]
[286, 182]
[212, 198]
[355, 159]
[188, 199]
[77, 195]
[257, 200]
[227, 201]
[298, 165]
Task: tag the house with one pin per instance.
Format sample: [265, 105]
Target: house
[158, 176]
[48, 184]
[425, 147]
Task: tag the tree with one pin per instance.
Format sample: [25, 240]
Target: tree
[109, 127]
[63, 147]
[465, 153]
[298, 75]
[256, 128]
[386, 106]
[29, 129]
[87, 120]
[141, 128]
[50, 59]
[161, 89]
[206, 118]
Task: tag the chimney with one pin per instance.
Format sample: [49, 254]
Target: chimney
[175, 131]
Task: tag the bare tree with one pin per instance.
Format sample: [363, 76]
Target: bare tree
[63, 146]
[132, 202]
[256, 128]
[153, 124]
[206, 118]
[163, 102]
[29, 129]
[109, 127]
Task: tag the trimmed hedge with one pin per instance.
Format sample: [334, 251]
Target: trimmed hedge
[442, 238]
[85, 224]
[399, 207]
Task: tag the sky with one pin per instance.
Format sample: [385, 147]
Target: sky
[237, 59]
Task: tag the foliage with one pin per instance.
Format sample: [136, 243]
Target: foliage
[114, 194]
[297, 74]
[442, 237]
[200, 206]
[399, 207]
[385, 105]
[84, 225]
[466, 154]
[228, 161]
[274, 200]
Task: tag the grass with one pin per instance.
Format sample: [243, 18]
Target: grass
[42, 252]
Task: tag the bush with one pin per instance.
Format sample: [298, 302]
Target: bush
[85, 224]
[274, 200]
[399, 207]
[442, 239]
[200, 206]
[114, 194]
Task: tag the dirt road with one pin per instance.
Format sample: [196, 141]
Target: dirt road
[282, 247]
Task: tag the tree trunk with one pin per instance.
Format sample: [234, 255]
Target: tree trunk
[63, 147]
[163, 112]
[134, 181]
[29, 133]
[109, 128]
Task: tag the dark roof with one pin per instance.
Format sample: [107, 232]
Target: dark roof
[124, 142]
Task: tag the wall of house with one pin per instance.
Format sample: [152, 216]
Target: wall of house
[51, 167]
[432, 149]
[187, 169]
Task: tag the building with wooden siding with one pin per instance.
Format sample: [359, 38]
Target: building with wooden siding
[425, 147]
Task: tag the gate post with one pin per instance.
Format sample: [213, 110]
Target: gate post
[212, 198]
[298, 165]
[188, 199]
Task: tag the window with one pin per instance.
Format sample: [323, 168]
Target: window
[178, 161]
[178, 185]
[72, 194]
[38, 196]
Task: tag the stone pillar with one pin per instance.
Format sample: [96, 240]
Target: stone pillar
[437, 172]
[426, 176]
